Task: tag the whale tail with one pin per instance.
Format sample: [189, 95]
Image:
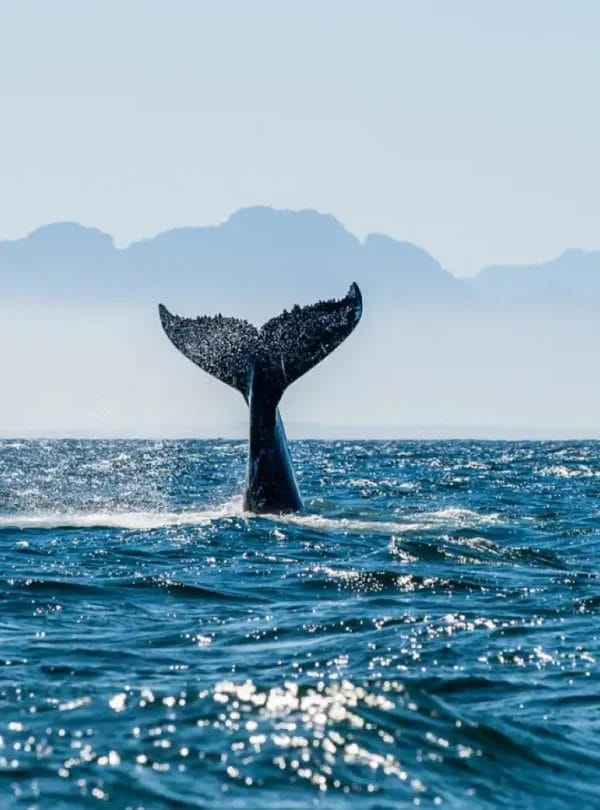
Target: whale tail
[283, 349]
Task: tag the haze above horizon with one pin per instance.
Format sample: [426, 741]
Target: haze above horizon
[85, 352]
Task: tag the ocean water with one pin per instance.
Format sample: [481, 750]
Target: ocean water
[426, 634]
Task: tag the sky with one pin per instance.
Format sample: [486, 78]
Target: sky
[469, 128]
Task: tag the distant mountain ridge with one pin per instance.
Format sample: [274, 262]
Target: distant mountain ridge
[83, 345]
[291, 253]
[574, 272]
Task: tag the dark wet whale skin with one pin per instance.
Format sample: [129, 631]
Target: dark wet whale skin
[261, 364]
[271, 483]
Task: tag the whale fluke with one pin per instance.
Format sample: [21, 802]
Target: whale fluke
[224, 347]
[261, 363]
[294, 342]
[285, 348]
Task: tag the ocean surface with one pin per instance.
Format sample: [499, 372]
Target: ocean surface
[426, 634]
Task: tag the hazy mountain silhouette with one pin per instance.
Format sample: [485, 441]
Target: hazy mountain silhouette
[288, 253]
[83, 350]
[573, 277]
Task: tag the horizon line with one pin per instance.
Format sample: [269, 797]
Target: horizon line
[299, 432]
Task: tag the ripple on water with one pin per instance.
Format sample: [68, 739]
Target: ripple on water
[425, 634]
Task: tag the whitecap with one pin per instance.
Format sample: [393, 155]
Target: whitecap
[136, 521]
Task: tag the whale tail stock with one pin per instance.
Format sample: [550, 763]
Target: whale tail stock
[283, 349]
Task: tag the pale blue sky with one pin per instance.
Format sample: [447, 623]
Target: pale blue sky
[470, 128]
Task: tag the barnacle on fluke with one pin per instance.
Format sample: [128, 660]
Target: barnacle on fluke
[261, 363]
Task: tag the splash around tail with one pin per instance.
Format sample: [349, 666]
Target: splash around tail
[261, 364]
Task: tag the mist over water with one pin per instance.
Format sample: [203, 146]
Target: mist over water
[426, 633]
[80, 327]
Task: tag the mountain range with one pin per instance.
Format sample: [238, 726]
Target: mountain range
[83, 351]
[286, 253]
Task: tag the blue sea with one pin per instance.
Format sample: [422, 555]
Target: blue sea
[426, 633]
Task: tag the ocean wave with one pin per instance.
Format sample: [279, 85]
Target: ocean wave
[419, 521]
[149, 520]
[423, 645]
[134, 521]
